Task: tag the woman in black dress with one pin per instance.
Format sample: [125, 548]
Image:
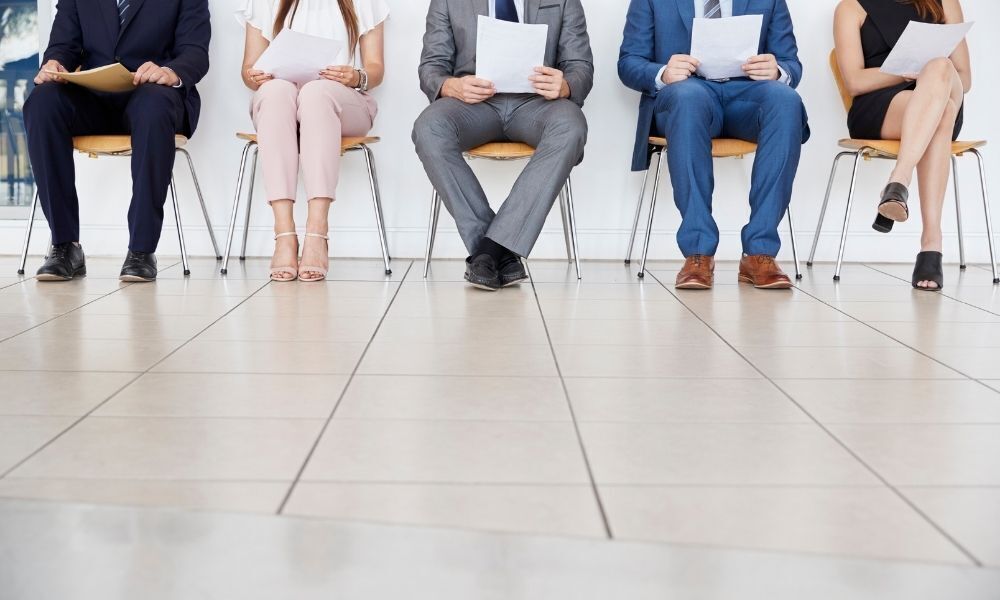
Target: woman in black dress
[922, 110]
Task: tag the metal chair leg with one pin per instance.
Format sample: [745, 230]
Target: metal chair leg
[826, 202]
[571, 212]
[180, 227]
[27, 234]
[638, 207]
[795, 251]
[986, 209]
[432, 230]
[246, 220]
[377, 204]
[652, 210]
[201, 200]
[565, 222]
[236, 205]
[958, 214]
[847, 214]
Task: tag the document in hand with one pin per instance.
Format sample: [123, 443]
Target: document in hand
[298, 57]
[109, 78]
[724, 45]
[507, 54]
[920, 44]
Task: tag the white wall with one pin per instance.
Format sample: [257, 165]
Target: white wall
[605, 189]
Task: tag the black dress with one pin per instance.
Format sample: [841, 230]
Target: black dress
[886, 21]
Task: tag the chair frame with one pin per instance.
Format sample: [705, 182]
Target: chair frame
[176, 205]
[658, 153]
[252, 145]
[566, 211]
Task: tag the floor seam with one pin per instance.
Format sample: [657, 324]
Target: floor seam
[941, 293]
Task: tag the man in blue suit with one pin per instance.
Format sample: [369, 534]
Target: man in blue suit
[762, 107]
[165, 43]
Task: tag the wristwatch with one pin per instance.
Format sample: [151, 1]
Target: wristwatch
[362, 80]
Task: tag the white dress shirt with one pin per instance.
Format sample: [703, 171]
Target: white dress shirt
[726, 10]
[518, 4]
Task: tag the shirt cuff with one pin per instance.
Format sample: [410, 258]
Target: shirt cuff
[180, 82]
[659, 78]
[783, 76]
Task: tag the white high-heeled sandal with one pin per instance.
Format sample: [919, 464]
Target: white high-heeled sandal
[293, 271]
[309, 269]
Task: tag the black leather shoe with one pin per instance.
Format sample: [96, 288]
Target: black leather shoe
[63, 263]
[139, 267]
[481, 272]
[512, 272]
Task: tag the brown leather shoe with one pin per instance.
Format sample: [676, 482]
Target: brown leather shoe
[698, 273]
[763, 273]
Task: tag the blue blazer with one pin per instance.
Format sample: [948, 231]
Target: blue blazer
[658, 29]
[170, 33]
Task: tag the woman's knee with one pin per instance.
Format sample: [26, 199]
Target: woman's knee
[277, 90]
[939, 70]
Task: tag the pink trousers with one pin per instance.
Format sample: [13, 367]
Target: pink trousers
[303, 126]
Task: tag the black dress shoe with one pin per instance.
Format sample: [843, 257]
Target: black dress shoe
[512, 271]
[139, 267]
[63, 263]
[481, 272]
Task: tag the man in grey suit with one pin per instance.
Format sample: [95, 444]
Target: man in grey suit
[466, 112]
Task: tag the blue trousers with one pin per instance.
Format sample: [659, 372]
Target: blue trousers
[690, 114]
[54, 113]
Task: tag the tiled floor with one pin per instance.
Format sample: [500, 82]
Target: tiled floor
[859, 419]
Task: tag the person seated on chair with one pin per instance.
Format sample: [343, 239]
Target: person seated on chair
[302, 125]
[689, 111]
[922, 110]
[467, 112]
[165, 43]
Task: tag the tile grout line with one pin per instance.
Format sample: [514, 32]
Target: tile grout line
[899, 494]
[138, 375]
[340, 398]
[576, 425]
[939, 293]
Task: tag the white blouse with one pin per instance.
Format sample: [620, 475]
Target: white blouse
[321, 18]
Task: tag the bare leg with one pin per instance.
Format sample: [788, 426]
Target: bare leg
[286, 249]
[315, 251]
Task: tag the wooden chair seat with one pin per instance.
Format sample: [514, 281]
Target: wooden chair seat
[502, 151]
[721, 148]
[112, 145]
[890, 148]
[347, 143]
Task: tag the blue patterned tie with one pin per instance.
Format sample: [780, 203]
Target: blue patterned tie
[122, 9]
[506, 11]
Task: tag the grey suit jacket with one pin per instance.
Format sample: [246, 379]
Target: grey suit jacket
[450, 42]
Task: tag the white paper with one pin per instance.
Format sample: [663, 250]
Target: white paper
[298, 57]
[508, 53]
[920, 44]
[724, 45]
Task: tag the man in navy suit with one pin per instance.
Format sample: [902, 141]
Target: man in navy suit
[690, 111]
[165, 43]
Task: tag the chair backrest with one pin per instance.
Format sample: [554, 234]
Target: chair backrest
[845, 97]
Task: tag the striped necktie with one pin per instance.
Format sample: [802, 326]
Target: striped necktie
[506, 11]
[713, 9]
[122, 9]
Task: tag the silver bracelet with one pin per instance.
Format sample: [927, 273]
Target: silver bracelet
[362, 80]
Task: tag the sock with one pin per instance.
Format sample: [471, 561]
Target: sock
[488, 246]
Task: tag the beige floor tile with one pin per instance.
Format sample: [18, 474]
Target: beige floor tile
[11, 325]
[895, 401]
[448, 452]
[282, 358]
[927, 454]
[20, 436]
[632, 332]
[586, 290]
[232, 496]
[681, 401]
[28, 393]
[237, 326]
[121, 327]
[455, 398]
[221, 395]
[717, 454]
[790, 334]
[240, 288]
[464, 303]
[346, 269]
[650, 310]
[79, 286]
[551, 510]
[727, 290]
[161, 306]
[765, 310]
[593, 272]
[41, 304]
[168, 449]
[310, 307]
[712, 362]
[332, 290]
[868, 522]
[25, 353]
[498, 330]
[970, 515]
[978, 363]
[486, 359]
[928, 335]
[854, 274]
[943, 310]
[845, 363]
[898, 291]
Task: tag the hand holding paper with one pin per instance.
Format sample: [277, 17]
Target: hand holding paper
[508, 53]
[920, 44]
[298, 57]
[723, 46]
[109, 78]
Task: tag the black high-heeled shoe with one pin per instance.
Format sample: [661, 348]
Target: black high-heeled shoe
[882, 224]
[893, 204]
[929, 268]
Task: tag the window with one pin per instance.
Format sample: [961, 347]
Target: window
[18, 66]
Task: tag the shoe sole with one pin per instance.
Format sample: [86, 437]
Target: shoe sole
[781, 285]
[50, 277]
[136, 279]
[515, 282]
[894, 211]
[486, 288]
[692, 286]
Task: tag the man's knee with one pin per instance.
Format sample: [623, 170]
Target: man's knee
[46, 100]
[568, 126]
[782, 101]
[688, 99]
[433, 127]
[154, 104]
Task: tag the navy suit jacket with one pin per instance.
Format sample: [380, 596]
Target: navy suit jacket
[170, 33]
[658, 29]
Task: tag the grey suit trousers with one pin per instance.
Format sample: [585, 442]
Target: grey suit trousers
[448, 127]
